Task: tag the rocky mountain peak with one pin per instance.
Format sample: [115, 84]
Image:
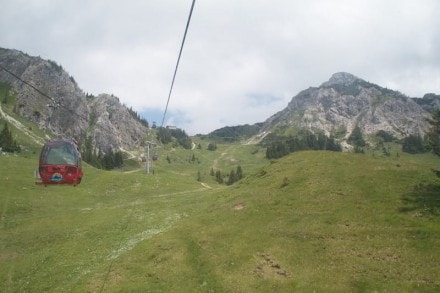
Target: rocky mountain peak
[341, 78]
[346, 102]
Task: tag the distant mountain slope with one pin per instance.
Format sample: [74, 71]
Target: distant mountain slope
[345, 102]
[62, 107]
[429, 102]
[234, 133]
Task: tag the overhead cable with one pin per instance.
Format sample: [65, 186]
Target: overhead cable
[178, 60]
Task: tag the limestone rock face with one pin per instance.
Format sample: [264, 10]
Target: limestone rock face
[110, 118]
[345, 102]
[52, 99]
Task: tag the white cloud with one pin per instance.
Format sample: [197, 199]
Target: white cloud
[242, 61]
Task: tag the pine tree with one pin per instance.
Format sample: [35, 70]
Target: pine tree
[218, 176]
[231, 178]
[7, 143]
[413, 144]
[4, 136]
[118, 159]
[239, 173]
[212, 146]
[356, 137]
[434, 133]
[87, 153]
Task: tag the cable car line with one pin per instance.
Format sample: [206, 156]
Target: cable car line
[178, 61]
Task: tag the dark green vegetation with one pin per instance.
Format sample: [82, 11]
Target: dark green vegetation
[7, 142]
[279, 146]
[234, 133]
[434, 132]
[177, 136]
[98, 159]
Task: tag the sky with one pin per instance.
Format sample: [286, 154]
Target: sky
[243, 60]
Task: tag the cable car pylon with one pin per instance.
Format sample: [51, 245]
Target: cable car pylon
[155, 156]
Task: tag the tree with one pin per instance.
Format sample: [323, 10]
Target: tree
[118, 159]
[218, 176]
[109, 161]
[164, 135]
[239, 173]
[7, 143]
[277, 150]
[384, 136]
[356, 138]
[231, 178]
[212, 146]
[87, 153]
[413, 144]
[434, 132]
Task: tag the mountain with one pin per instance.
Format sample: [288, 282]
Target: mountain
[346, 102]
[47, 95]
[234, 133]
[429, 102]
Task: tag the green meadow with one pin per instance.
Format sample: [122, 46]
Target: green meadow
[312, 221]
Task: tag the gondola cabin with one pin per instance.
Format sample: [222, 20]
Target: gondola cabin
[60, 163]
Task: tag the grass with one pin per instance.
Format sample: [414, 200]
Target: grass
[312, 221]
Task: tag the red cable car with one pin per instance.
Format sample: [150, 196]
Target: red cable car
[60, 163]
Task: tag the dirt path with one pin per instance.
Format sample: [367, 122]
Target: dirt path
[215, 162]
[38, 140]
[206, 185]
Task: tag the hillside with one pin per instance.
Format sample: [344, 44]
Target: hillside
[44, 93]
[311, 221]
[345, 102]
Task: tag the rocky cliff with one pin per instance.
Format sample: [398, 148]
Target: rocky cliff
[345, 102]
[109, 117]
[47, 95]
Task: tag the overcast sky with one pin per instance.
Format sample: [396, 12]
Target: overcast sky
[243, 60]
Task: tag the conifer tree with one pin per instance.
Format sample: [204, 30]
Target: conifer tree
[356, 137]
[231, 178]
[239, 173]
[434, 133]
[218, 176]
[7, 143]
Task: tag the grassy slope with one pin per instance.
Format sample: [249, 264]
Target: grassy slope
[311, 221]
[336, 226]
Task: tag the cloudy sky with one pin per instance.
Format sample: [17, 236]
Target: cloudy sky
[243, 60]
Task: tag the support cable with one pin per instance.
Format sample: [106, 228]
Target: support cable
[178, 61]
